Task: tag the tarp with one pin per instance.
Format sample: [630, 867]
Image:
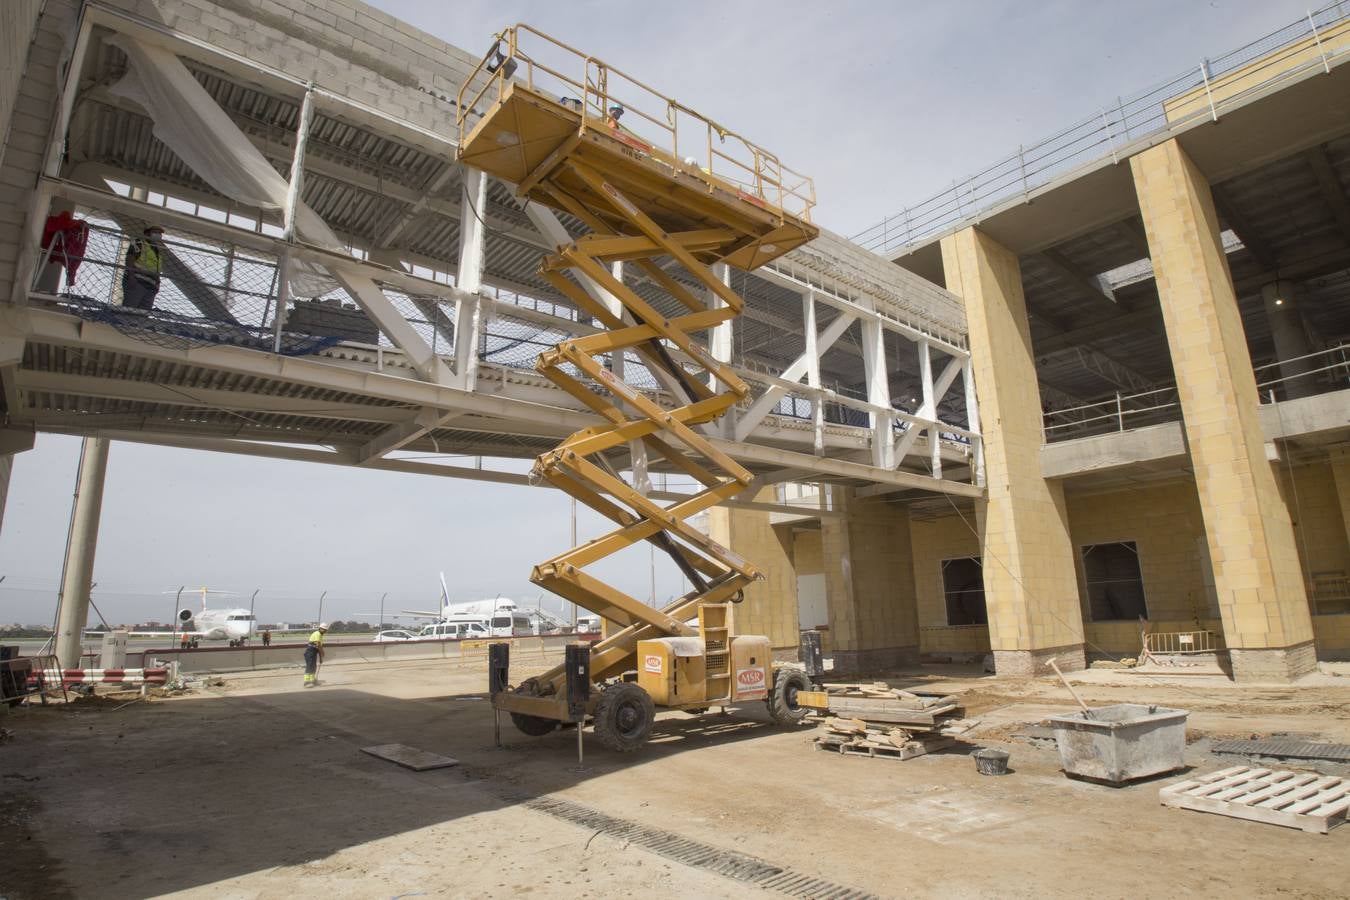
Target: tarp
[191, 124]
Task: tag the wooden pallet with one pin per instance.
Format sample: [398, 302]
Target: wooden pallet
[876, 749]
[1274, 796]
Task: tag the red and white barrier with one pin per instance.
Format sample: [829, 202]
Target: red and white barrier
[70, 677]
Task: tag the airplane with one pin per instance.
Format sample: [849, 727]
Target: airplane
[541, 622]
[471, 608]
[235, 625]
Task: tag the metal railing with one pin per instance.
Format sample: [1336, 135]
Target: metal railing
[1329, 595]
[700, 147]
[1114, 130]
[1173, 643]
[1324, 371]
[214, 291]
[1118, 413]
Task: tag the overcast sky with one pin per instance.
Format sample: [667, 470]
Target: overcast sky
[882, 103]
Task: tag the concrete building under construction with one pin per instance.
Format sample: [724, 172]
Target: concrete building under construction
[1103, 382]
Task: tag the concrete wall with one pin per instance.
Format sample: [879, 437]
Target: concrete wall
[1332, 635]
[870, 585]
[770, 606]
[1316, 508]
[1166, 527]
[807, 552]
[1165, 524]
[935, 540]
[27, 117]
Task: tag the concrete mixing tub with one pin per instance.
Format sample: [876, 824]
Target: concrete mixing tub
[1121, 743]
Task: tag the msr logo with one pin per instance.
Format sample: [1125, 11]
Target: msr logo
[750, 678]
[652, 663]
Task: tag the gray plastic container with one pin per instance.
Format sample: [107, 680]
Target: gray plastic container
[1121, 743]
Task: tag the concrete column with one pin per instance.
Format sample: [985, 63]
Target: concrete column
[1030, 584]
[12, 441]
[6, 469]
[869, 585]
[1262, 599]
[1291, 338]
[78, 573]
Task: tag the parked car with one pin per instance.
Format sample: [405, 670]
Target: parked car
[385, 637]
[453, 630]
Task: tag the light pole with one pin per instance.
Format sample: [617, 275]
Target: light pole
[177, 605]
[381, 625]
[321, 596]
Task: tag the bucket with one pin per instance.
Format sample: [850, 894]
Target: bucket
[991, 762]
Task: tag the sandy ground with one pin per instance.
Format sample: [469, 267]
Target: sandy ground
[258, 788]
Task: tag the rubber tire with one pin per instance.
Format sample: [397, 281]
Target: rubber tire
[782, 702]
[534, 726]
[624, 716]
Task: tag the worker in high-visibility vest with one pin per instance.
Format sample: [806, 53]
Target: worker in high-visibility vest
[144, 263]
[314, 654]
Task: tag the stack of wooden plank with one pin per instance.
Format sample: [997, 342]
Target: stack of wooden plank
[877, 720]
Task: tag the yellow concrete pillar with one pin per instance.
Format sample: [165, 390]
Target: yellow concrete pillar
[869, 585]
[1030, 584]
[1262, 598]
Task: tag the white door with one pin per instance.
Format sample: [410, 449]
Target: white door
[812, 611]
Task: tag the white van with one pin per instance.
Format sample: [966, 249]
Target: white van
[453, 630]
[510, 624]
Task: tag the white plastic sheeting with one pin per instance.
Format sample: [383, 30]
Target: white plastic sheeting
[191, 124]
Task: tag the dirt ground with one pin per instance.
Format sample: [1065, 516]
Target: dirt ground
[257, 788]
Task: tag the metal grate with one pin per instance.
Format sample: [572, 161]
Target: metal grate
[737, 866]
[1286, 749]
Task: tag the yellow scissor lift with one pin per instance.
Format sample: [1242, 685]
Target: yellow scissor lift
[653, 190]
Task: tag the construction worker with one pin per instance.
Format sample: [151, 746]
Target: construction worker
[314, 654]
[144, 262]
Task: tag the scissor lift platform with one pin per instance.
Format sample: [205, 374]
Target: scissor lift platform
[526, 136]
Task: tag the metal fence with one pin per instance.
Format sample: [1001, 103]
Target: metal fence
[1114, 127]
[214, 292]
[1322, 372]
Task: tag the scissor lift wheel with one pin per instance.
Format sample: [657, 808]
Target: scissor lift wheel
[782, 701]
[623, 717]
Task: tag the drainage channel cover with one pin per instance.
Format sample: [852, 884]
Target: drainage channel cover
[1286, 749]
[729, 863]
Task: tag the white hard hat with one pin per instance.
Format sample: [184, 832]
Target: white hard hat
[323, 626]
